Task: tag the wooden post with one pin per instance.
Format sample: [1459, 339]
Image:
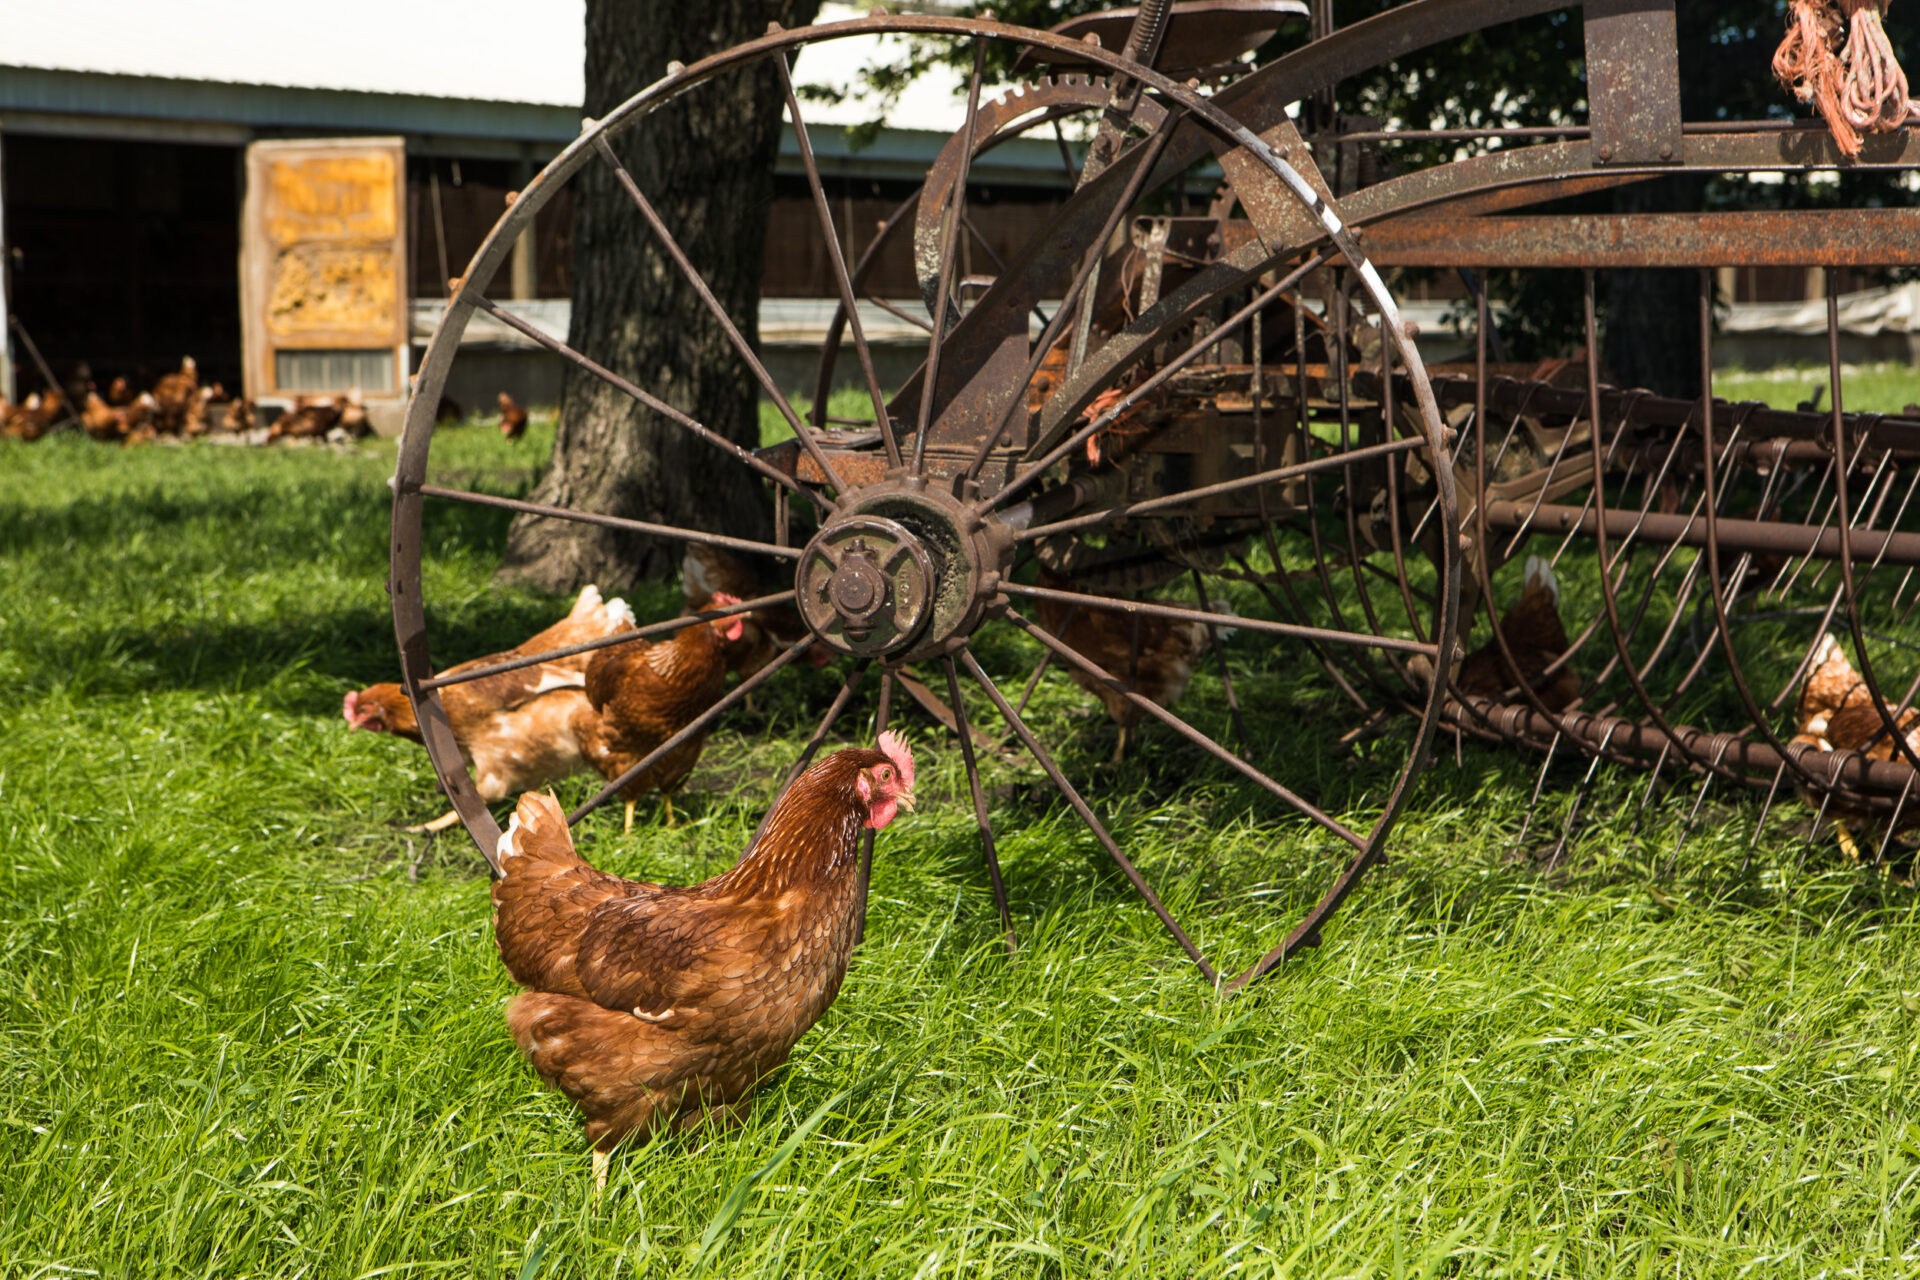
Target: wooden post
[526, 265]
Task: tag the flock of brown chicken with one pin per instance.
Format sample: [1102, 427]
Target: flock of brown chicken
[659, 1007]
[178, 407]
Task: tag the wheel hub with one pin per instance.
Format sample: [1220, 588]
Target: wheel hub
[899, 570]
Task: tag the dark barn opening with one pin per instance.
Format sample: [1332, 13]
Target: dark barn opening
[123, 257]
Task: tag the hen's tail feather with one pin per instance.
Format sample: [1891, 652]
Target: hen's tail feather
[1540, 570]
[536, 840]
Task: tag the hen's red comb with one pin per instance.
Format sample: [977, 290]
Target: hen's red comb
[897, 750]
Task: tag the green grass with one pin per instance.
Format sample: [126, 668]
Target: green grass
[1873, 388]
[249, 1028]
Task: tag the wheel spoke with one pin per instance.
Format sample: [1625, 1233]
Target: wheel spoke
[695, 726]
[1080, 807]
[611, 522]
[1112, 604]
[461, 675]
[925, 326]
[740, 344]
[1152, 384]
[838, 261]
[949, 254]
[979, 802]
[1062, 314]
[1074, 657]
[839, 704]
[1331, 462]
[652, 402]
[930, 703]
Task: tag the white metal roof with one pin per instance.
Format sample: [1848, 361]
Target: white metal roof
[483, 50]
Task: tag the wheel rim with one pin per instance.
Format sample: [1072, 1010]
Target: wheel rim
[910, 562]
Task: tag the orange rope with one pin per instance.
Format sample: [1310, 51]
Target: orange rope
[1836, 56]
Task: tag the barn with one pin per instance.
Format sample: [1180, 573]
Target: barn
[128, 155]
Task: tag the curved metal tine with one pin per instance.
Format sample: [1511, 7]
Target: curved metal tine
[881, 714]
[1090, 260]
[839, 704]
[1607, 591]
[949, 254]
[979, 801]
[1579, 795]
[1863, 661]
[1355, 554]
[652, 402]
[1709, 473]
[1392, 469]
[1220, 657]
[1766, 807]
[1321, 558]
[837, 260]
[1326, 660]
[671, 532]
[1036, 469]
[462, 674]
[740, 345]
[1893, 821]
[1087, 816]
[1872, 515]
[1539, 785]
[1366, 453]
[1653, 780]
[1112, 604]
[1073, 656]
[1686, 828]
[696, 725]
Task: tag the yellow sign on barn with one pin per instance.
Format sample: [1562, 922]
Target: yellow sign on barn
[324, 268]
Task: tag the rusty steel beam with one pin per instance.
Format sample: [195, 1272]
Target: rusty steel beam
[1756, 238]
[1633, 81]
[1761, 537]
[1756, 761]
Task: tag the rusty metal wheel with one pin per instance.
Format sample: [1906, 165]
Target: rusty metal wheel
[1204, 441]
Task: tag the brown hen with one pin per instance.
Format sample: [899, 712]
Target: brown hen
[513, 417]
[707, 572]
[1836, 712]
[654, 1006]
[645, 692]
[1153, 656]
[518, 729]
[1533, 631]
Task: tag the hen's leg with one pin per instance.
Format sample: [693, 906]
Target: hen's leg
[628, 828]
[666, 808]
[602, 1161]
[1847, 845]
[439, 824]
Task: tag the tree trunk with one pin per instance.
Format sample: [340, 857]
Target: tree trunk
[705, 162]
[1653, 314]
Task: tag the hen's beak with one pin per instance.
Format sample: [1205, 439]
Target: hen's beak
[904, 799]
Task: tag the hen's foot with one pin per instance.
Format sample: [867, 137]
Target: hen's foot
[439, 824]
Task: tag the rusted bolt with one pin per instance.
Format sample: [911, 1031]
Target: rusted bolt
[1666, 151]
[511, 197]
[1606, 151]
